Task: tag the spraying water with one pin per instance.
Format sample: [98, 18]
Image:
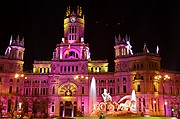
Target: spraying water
[133, 100]
[92, 95]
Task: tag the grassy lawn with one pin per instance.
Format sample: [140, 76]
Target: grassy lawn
[120, 117]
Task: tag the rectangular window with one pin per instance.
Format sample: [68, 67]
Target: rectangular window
[171, 90]
[118, 89]
[72, 29]
[10, 89]
[41, 91]
[72, 68]
[82, 90]
[64, 68]
[61, 69]
[72, 37]
[53, 90]
[155, 89]
[99, 69]
[102, 90]
[138, 88]
[91, 69]
[124, 88]
[32, 91]
[26, 91]
[35, 91]
[44, 91]
[111, 92]
[68, 68]
[52, 108]
[17, 90]
[76, 68]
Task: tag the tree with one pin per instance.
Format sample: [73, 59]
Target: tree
[1, 108]
[11, 107]
[40, 105]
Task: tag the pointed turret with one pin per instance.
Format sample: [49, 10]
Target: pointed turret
[123, 46]
[15, 53]
[116, 40]
[119, 37]
[126, 37]
[17, 39]
[15, 50]
[68, 11]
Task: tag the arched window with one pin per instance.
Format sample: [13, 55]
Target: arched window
[72, 55]
[124, 80]
[11, 80]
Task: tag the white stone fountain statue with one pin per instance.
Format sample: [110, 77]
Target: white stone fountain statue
[126, 105]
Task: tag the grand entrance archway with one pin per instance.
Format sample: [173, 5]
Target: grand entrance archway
[68, 109]
[68, 103]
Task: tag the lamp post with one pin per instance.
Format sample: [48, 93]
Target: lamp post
[165, 104]
[163, 79]
[19, 92]
[81, 78]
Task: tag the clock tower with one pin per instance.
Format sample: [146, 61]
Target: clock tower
[74, 26]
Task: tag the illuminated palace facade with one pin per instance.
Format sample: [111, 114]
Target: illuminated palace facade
[61, 86]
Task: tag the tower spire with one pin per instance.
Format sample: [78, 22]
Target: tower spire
[157, 49]
[10, 42]
[145, 49]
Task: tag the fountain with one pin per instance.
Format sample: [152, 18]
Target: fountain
[125, 106]
[92, 100]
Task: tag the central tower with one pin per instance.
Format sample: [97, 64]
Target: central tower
[72, 52]
[74, 26]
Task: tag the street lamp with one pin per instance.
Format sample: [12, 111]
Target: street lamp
[81, 78]
[165, 104]
[163, 79]
[19, 108]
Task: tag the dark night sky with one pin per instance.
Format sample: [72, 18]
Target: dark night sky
[41, 23]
